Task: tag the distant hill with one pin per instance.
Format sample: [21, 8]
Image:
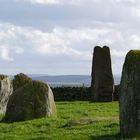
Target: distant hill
[67, 80]
[63, 80]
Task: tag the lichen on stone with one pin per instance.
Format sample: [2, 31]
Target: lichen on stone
[132, 59]
[2, 76]
[20, 80]
[6, 89]
[33, 100]
[130, 95]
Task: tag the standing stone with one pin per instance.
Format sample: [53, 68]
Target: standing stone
[130, 96]
[33, 100]
[102, 84]
[6, 90]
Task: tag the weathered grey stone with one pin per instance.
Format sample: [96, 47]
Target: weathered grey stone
[102, 84]
[33, 100]
[130, 96]
[6, 90]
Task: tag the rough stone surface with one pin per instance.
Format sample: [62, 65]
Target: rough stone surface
[102, 84]
[130, 96]
[20, 80]
[6, 90]
[33, 100]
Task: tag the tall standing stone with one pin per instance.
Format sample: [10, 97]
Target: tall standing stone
[6, 89]
[130, 96]
[102, 84]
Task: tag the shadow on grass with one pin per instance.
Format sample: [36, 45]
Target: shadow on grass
[107, 137]
[39, 138]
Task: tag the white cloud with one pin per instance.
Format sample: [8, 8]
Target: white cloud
[19, 50]
[65, 2]
[9, 40]
[71, 45]
[20, 39]
[5, 53]
[135, 41]
[67, 30]
[135, 12]
[46, 1]
[61, 41]
[84, 2]
[118, 53]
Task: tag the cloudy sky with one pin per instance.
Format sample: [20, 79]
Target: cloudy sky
[58, 36]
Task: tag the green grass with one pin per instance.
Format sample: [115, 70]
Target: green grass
[75, 121]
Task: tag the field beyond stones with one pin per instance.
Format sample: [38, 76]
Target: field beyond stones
[75, 121]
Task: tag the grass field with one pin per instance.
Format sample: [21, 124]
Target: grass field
[75, 121]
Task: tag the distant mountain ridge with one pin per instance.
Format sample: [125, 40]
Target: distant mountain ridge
[67, 80]
[59, 80]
